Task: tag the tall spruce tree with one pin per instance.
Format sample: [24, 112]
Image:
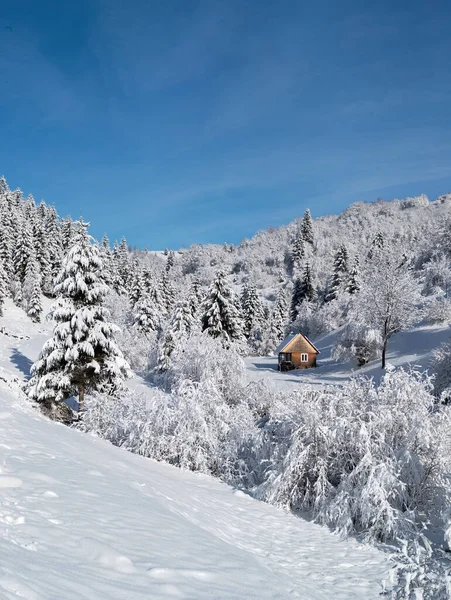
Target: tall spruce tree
[146, 316]
[353, 284]
[220, 316]
[297, 251]
[4, 287]
[82, 355]
[252, 309]
[307, 227]
[296, 298]
[195, 297]
[340, 274]
[308, 291]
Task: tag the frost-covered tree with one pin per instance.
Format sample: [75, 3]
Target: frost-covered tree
[296, 298]
[353, 283]
[303, 290]
[4, 287]
[220, 316]
[340, 274]
[136, 287]
[23, 251]
[252, 309]
[82, 355]
[390, 295]
[308, 291]
[307, 227]
[297, 250]
[34, 305]
[31, 289]
[182, 318]
[67, 233]
[146, 315]
[195, 297]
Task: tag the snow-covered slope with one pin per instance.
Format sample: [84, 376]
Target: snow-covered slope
[81, 519]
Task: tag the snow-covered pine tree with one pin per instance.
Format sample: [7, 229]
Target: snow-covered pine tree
[82, 355]
[146, 317]
[307, 227]
[252, 309]
[340, 273]
[4, 189]
[195, 297]
[136, 288]
[353, 284]
[105, 242]
[4, 286]
[43, 256]
[377, 244]
[182, 318]
[67, 233]
[308, 291]
[34, 305]
[220, 316]
[166, 292]
[22, 252]
[296, 298]
[6, 244]
[170, 261]
[54, 244]
[31, 289]
[297, 251]
[123, 262]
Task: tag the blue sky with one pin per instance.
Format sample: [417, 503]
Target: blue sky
[182, 121]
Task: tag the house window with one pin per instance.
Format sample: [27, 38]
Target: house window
[304, 357]
[285, 356]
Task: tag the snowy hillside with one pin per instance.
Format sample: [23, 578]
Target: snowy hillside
[81, 519]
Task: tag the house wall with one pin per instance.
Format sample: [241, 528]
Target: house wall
[296, 360]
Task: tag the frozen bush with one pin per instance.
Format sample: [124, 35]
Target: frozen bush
[358, 341]
[441, 368]
[362, 459]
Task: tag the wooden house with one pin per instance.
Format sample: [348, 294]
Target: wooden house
[297, 352]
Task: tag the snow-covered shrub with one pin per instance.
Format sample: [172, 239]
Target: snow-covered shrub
[438, 310]
[201, 358]
[192, 428]
[360, 458]
[358, 341]
[441, 368]
[421, 571]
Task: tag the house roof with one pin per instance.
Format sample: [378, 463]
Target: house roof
[297, 343]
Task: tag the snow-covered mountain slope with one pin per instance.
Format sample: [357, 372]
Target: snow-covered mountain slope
[408, 349]
[81, 519]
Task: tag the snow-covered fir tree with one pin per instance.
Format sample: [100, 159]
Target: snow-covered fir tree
[195, 297]
[340, 274]
[252, 309]
[297, 251]
[146, 316]
[82, 355]
[23, 251]
[307, 227]
[307, 288]
[4, 286]
[353, 284]
[220, 316]
[296, 298]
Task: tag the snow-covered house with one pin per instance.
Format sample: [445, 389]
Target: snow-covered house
[297, 352]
